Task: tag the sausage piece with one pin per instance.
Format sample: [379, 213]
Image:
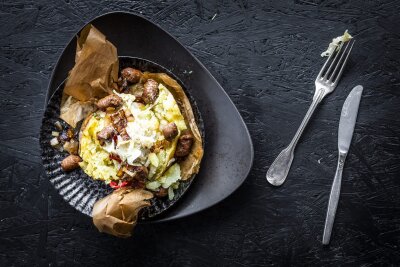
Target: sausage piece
[109, 101]
[150, 91]
[162, 192]
[105, 134]
[70, 163]
[184, 145]
[131, 75]
[170, 131]
[140, 173]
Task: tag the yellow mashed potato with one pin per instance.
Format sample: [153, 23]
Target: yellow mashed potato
[144, 132]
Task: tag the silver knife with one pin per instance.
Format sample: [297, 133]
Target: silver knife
[346, 128]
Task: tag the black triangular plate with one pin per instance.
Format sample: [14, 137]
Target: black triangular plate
[228, 148]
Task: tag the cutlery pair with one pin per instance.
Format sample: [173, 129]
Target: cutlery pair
[325, 83]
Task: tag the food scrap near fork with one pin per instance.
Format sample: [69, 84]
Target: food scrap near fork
[334, 45]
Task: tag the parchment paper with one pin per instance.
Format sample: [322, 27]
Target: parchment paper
[117, 213]
[92, 77]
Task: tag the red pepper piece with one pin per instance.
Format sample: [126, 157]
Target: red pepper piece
[114, 185]
[124, 183]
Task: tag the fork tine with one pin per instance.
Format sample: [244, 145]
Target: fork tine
[324, 66]
[333, 63]
[335, 81]
[338, 64]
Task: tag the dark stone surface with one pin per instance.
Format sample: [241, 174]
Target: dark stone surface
[266, 56]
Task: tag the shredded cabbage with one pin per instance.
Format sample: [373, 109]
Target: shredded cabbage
[335, 43]
[172, 175]
[153, 159]
[154, 185]
[171, 193]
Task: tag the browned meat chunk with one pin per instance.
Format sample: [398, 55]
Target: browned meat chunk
[131, 75]
[137, 91]
[150, 91]
[162, 192]
[138, 173]
[136, 184]
[122, 84]
[105, 134]
[115, 157]
[184, 145]
[129, 116]
[118, 120]
[109, 101]
[70, 163]
[159, 145]
[124, 135]
[66, 135]
[71, 146]
[63, 137]
[70, 133]
[170, 131]
[141, 172]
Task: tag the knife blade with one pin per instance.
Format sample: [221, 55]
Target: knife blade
[346, 128]
[348, 118]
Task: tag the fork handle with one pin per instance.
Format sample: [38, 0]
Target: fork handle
[333, 200]
[279, 169]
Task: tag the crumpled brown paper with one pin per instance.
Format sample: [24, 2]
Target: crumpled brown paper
[73, 111]
[92, 77]
[117, 213]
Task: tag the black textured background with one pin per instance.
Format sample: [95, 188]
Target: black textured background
[266, 56]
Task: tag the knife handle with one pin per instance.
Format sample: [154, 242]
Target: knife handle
[333, 200]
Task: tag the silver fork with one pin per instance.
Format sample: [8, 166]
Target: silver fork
[325, 83]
